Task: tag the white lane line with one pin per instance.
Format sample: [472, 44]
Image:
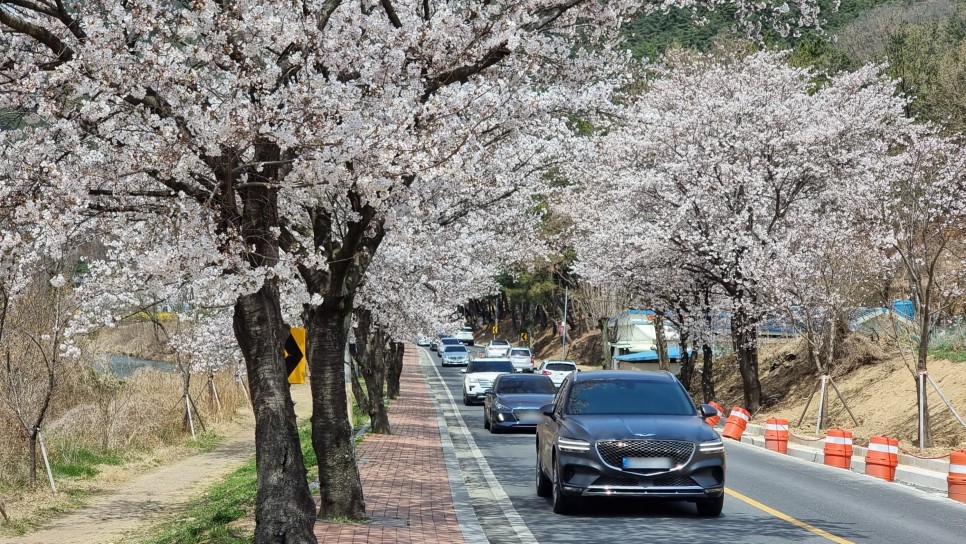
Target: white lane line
[516, 521]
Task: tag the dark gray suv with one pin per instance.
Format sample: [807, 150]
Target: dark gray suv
[626, 433]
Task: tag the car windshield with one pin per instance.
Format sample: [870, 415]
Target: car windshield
[520, 352]
[489, 366]
[561, 366]
[454, 349]
[452, 341]
[520, 386]
[629, 397]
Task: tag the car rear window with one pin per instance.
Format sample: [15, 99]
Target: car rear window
[454, 349]
[520, 352]
[560, 366]
[489, 366]
[629, 397]
[521, 386]
[499, 343]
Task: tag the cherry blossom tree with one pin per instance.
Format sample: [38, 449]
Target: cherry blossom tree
[291, 135]
[728, 161]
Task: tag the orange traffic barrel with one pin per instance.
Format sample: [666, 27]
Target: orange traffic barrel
[713, 420]
[957, 476]
[838, 448]
[882, 457]
[737, 422]
[776, 434]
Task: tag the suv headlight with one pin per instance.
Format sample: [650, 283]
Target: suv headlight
[713, 446]
[473, 381]
[497, 405]
[572, 445]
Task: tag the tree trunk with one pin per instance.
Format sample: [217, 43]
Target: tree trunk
[357, 391]
[284, 509]
[687, 364]
[396, 355]
[32, 456]
[745, 336]
[707, 373]
[925, 318]
[371, 346]
[661, 339]
[327, 330]
[605, 343]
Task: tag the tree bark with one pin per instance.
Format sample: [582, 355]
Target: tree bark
[745, 336]
[32, 456]
[707, 373]
[925, 321]
[371, 344]
[662, 359]
[396, 354]
[357, 391]
[687, 363]
[327, 330]
[284, 509]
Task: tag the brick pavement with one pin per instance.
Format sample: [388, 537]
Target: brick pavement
[404, 478]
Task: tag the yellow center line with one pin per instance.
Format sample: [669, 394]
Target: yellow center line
[786, 517]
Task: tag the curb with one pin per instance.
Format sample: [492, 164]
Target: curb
[926, 474]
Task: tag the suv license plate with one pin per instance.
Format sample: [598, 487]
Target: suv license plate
[648, 462]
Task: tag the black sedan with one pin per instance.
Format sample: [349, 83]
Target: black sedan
[515, 401]
[628, 434]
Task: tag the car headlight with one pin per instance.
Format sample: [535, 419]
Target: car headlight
[474, 381]
[713, 446]
[497, 405]
[572, 445]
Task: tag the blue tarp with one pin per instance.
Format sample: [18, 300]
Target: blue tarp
[673, 352]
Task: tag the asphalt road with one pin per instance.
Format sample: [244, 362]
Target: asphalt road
[771, 497]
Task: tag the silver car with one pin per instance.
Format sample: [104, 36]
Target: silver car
[522, 359]
[456, 355]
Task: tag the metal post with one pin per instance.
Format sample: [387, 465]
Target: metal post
[43, 451]
[187, 407]
[922, 411]
[948, 404]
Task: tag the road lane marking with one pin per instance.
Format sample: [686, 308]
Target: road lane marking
[502, 499]
[786, 517]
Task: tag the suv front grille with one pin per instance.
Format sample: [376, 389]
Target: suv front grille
[613, 452]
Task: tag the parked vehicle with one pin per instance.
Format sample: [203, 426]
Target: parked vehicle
[444, 341]
[515, 401]
[479, 376]
[456, 355]
[558, 370]
[465, 335]
[628, 433]
[522, 359]
[497, 348]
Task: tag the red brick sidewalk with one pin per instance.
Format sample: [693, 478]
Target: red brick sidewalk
[407, 491]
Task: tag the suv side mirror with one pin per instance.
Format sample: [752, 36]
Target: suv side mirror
[548, 409]
[463, 371]
[708, 411]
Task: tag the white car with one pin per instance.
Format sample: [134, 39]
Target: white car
[497, 348]
[423, 340]
[522, 359]
[557, 370]
[479, 376]
[465, 335]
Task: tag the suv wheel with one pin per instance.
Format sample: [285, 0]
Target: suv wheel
[543, 483]
[710, 507]
[486, 421]
[562, 504]
[466, 400]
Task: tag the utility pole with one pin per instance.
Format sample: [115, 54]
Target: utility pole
[563, 328]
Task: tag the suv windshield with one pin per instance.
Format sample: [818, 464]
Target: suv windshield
[561, 366]
[629, 397]
[499, 343]
[516, 386]
[489, 366]
[454, 349]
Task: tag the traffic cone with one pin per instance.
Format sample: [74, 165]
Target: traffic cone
[776, 434]
[838, 448]
[882, 457]
[957, 476]
[737, 422]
